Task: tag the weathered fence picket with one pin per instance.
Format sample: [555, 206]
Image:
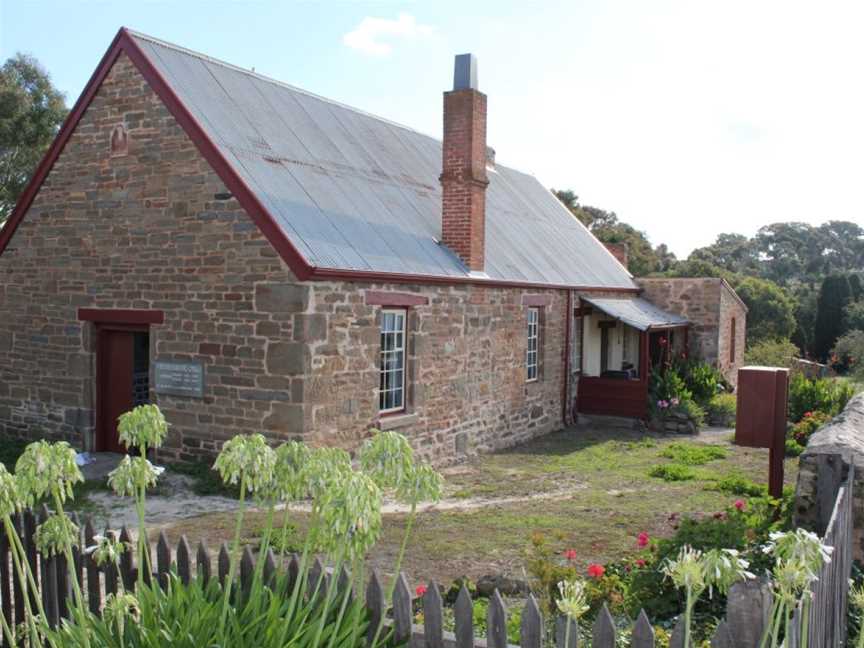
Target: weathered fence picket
[643, 632]
[747, 613]
[603, 633]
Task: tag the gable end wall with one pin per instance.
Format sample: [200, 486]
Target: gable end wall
[144, 231]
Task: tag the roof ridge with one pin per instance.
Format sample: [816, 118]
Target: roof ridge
[269, 79]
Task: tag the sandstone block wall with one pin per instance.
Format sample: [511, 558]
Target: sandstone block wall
[467, 389]
[710, 304]
[142, 230]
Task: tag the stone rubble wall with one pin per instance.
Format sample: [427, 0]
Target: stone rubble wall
[709, 304]
[825, 464]
[467, 389]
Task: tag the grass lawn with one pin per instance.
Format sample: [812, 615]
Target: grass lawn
[584, 489]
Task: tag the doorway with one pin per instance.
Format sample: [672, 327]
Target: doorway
[122, 379]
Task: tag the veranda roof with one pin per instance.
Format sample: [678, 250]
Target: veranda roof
[637, 312]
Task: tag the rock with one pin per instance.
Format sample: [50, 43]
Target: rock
[486, 585]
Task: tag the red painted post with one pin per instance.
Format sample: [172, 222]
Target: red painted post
[763, 394]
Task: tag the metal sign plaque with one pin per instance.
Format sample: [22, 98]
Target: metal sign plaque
[180, 378]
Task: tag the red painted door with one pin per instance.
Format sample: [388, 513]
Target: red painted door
[115, 385]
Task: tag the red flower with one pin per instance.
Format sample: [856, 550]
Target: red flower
[640, 562]
[642, 540]
[570, 554]
[740, 504]
[421, 590]
[808, 414]
[596, 571]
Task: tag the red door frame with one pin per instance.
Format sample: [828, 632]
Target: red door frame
[130, 321]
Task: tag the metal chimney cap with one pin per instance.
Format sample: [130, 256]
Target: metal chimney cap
[465, 72]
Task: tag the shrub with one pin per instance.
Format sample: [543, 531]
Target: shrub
[849, 351]
[701, 379]
[745, 530]
[804, 429]
[692, 454]
[721, 410]
[737, 485]
[793, 448]
[693, 411]
[771, 353]
[825, 395]
[672, 472]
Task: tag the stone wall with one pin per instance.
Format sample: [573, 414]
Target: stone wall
[825, 464]
[467, 389]
[139, 228]
[709, 304]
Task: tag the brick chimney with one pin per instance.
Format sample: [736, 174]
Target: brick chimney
[463, 177]
[620, 251]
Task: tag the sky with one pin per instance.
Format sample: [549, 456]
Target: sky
[687, 118]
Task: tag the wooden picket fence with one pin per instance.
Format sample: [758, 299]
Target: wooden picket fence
[747, 612]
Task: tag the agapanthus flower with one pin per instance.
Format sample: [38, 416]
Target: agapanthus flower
[143, 426]
[107, 550]
[422, 484]
[723, 568]
[351, 512]
[132, 474]
[685, 571]
[289, 480]
[324, 467]
[55, 534]
[387, 458]
[44, 469]
[9, 499]
[572, 600]
[247, 459]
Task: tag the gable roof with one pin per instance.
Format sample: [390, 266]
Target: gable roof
[341, 193]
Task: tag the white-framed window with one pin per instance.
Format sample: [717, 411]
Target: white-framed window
[531, 360]
[391, 394]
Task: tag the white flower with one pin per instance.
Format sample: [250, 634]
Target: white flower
[573, 600]
[55, 534]
[44, 469]
[145, 426]
[131, 475]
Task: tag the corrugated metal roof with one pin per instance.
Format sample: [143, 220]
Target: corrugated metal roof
[357, 192]
[636, 312]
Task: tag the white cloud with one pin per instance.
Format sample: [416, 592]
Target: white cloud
[369, 36]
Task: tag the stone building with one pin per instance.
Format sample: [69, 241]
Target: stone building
[255, 258]
[716, 314]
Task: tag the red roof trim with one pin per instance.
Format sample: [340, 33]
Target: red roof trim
[120, 316]
[383, 298]
[336, 274]
[125, 43]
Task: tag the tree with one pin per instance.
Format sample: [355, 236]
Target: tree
[732, 252]
[642, 258]
[854, 316]
[771, 311]
[849, 350]
[834, 295]
[31, 111]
